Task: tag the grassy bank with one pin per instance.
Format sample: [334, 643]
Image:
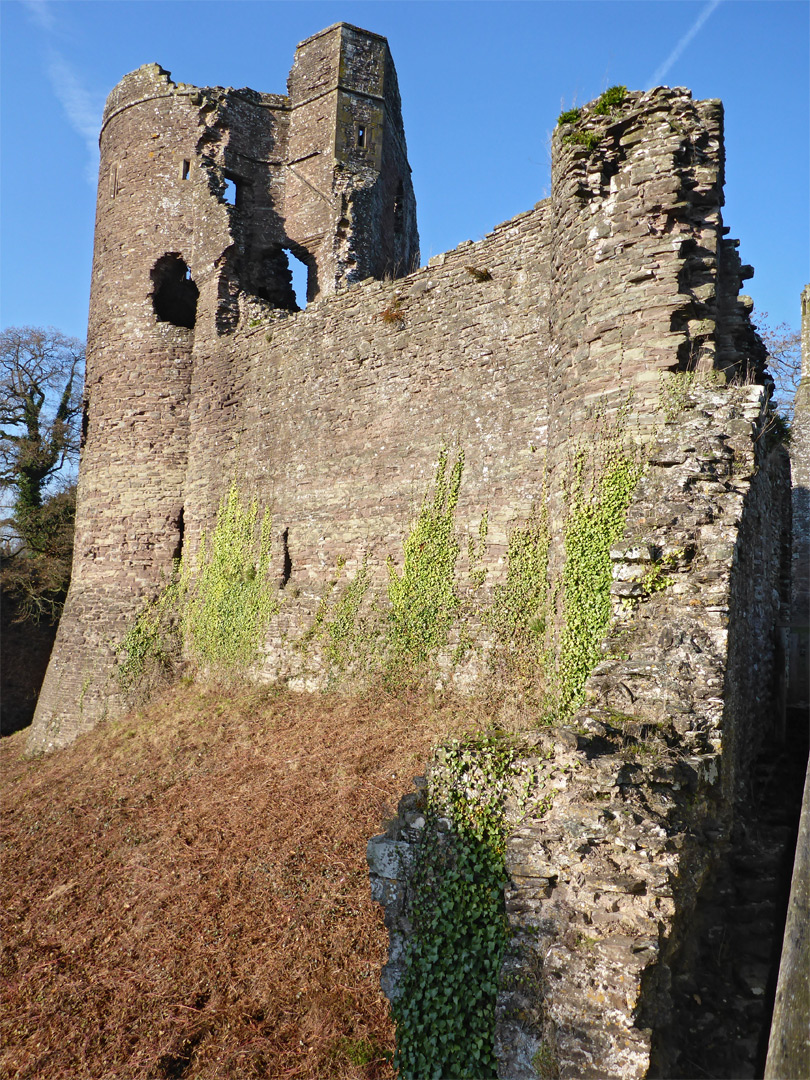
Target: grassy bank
[185, 894]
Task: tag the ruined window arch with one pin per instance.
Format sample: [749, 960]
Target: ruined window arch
[174, 294]
[283, 276]
[237, 191]
[270, 279]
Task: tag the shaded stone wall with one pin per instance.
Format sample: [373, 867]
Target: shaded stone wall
[789, 1044]
[23, 662]
[799, 631]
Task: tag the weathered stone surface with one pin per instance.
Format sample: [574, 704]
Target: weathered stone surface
[645, 781]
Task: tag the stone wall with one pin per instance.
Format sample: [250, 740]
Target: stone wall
[339, 415]
[799, 629]
[643, 280]
[789, 1045]
[201, 372]
[637, 794]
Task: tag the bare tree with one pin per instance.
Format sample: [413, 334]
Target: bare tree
[783, 343]
[41, 376]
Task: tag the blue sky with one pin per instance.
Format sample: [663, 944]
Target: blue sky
[482, 84]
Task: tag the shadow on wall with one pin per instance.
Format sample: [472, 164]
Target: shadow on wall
[23, 661]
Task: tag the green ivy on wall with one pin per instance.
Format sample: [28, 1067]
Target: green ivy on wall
[445, 1015]
[215, 608]
[348, 642]
[596, 520]
[152, 645]
[520, 605]
[423, 595]
[230, 595]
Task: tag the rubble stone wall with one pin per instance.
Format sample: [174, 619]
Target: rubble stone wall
[643, 279]
[636, 799]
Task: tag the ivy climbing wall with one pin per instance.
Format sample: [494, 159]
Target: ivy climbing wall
[615, 815]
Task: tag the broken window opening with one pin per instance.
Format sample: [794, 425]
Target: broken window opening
[174, 296]
[231, 192]
[301, 281]
[282, 277]
[361, 136]
[185, 169]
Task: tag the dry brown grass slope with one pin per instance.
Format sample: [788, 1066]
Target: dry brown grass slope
[184, 892]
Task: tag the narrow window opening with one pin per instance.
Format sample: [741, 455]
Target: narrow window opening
[230, 194]
[399, 200]
[180, 526]
[85, 423]
[185, 169]
[174, 296]
[361, 136]
[113, 180]
[286, 570]
[300, 280]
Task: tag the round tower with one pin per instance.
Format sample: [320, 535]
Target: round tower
[151, 286]
[202, 193]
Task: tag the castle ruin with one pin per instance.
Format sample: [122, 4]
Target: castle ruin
[201, 370]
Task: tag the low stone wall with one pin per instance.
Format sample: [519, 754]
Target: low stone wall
[595, 886]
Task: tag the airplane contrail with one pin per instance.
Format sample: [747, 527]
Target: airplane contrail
[82, 108]
[660, 74]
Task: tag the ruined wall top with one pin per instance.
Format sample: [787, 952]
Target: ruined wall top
[320, 172]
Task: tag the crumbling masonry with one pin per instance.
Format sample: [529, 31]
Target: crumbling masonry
[202, 370]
